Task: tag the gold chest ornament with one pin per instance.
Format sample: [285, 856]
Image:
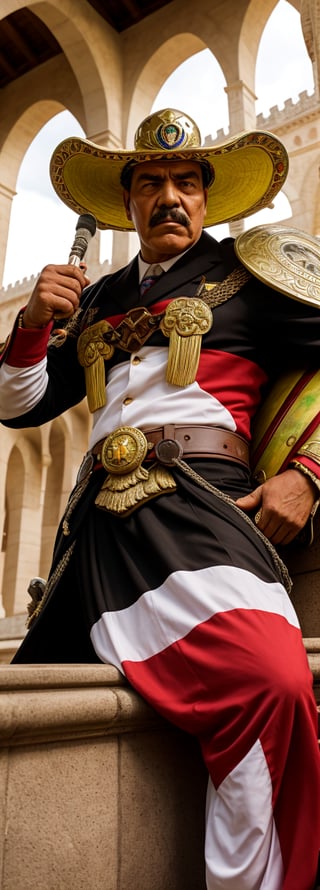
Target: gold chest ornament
[93, 350]
[184, 321]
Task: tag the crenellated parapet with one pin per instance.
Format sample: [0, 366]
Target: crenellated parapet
[293, 112]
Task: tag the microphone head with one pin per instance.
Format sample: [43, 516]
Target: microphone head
[87, 221]
[85, 229]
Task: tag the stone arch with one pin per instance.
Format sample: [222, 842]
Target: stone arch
[55, 472]
[79, 79]
[14, 146]
[253, 25]
[311, 195]
[22, 135]
[22, 522]
[11, 543]
[161, 63]
[64, 443]
[92, 51]
[254, 22]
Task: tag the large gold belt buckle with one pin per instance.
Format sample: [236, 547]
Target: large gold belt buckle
[124, 450]
[128, 483]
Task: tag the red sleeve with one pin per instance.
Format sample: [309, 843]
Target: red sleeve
[26, 346]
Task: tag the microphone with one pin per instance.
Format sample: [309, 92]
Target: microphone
[85, 229]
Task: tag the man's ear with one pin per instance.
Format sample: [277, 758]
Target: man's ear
[126, 201]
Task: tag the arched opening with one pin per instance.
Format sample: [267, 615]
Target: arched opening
[52, 497]
[14, 504]
[283, 67]
[202, 95]
[41, 225]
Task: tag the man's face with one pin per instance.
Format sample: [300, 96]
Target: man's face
[167, 205]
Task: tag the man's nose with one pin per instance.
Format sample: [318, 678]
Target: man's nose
[168, 195]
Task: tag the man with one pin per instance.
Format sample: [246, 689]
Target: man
[164, 563]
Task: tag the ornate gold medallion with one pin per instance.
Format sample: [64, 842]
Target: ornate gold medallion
[123, 450]
[128, 483]
[186, 319]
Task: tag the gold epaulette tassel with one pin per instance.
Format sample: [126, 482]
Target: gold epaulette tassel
[186, 320]
[93, 351]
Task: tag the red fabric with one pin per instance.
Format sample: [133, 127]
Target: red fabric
[28, 346]
[268, 695]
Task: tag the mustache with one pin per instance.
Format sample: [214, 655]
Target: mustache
[166, 213]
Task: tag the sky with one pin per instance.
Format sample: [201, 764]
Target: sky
[42, 228]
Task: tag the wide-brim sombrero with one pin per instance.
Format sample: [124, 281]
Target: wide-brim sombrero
[249, 169]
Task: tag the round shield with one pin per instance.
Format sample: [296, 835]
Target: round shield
[286, 259]
[284, 422]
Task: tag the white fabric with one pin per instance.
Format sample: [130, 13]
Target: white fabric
[144, 268]
[21, 388]
[162, 616]
[242, 846]
[154, 269]
[154, 401]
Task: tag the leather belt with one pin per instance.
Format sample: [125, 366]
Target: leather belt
[196, 441]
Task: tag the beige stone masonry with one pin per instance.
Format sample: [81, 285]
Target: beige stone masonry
[96, 791]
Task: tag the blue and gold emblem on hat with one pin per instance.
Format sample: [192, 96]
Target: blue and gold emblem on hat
[171, 136]
[168, 129]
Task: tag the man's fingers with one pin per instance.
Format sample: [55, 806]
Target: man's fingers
[56, 295]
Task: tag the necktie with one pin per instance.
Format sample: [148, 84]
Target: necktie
[151, 276]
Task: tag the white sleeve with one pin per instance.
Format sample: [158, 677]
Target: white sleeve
[21, 388]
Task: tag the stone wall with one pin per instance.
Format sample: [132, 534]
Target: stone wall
[96, 791]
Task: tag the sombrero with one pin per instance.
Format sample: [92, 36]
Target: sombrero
[246, 172]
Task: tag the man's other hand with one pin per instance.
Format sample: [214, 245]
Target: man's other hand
[281, 505]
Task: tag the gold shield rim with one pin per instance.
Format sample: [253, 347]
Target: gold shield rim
[286, 259]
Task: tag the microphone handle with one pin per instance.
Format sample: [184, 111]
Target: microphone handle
[74, 260]
[85, 229]
[79, 247]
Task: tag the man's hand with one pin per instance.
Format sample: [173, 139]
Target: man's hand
[56, 294]
[283, 504]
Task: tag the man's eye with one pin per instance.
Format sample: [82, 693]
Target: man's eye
[149, 187]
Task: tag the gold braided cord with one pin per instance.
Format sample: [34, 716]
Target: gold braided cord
[280, 566]
[52, 581]
[75, 496]
[224, 289]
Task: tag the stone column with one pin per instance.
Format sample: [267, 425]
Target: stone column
[242, 112]
[310, 23]
[6, 196]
